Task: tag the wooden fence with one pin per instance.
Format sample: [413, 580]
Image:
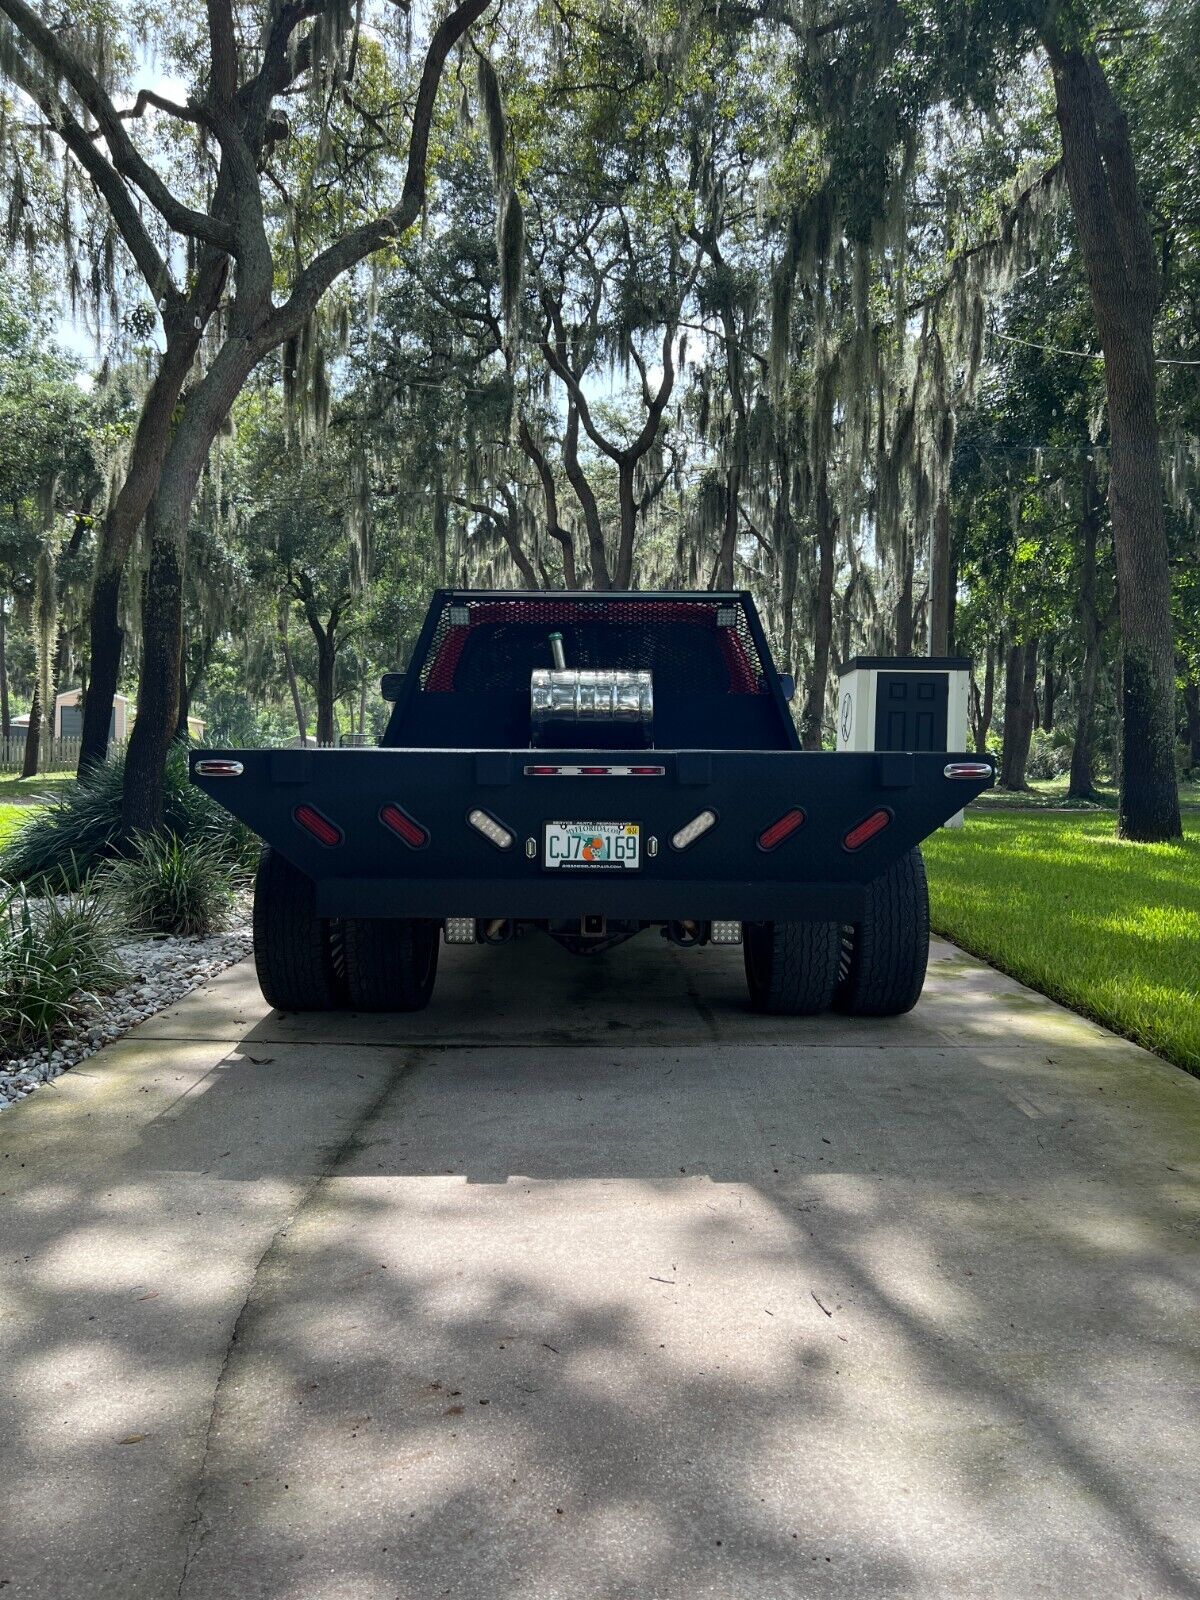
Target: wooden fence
[64, 753]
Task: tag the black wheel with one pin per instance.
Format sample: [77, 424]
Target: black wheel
[885, 956]
[391, 962]
[791, 967]
[296, 953]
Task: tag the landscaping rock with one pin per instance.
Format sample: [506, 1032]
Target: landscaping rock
[161, 971]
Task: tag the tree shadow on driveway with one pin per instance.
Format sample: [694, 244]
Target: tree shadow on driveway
[763, 1309]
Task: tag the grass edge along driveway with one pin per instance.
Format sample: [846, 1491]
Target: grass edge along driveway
[1108, 928]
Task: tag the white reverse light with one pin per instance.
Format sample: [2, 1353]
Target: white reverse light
[460, 930]
[693, 830]
[494, 832]
[725, 932]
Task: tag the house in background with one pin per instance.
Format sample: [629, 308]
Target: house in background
[68, 718]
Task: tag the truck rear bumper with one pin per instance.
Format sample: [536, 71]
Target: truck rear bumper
[545, 898]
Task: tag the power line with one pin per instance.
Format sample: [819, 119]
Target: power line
[1089, 355]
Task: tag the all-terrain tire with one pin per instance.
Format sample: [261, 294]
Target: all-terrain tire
[391, 962]
[884, 957]
[296, 953]
[791, 967]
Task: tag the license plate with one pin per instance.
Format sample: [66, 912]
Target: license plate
[593, 846]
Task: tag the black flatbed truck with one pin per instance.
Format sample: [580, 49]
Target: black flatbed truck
[591, 765]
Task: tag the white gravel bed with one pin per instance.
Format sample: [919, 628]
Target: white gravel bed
[162, 970]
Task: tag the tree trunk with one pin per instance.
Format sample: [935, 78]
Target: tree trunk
[812, 717]
[987, 701]
[939, 580]
[33, 736]
[951, 634]
[1191, 704]
[903, 615]
[1020, 685]
[107, 642]
[1082, 785]
[185, 699]
[627, 505]
[577, 478]
[158, 686]
[1049, 689]
[5, 717]
[1121, 265]
[787, 547]
[326, 661]
[728, 550]
[117, 532]
[285, 650]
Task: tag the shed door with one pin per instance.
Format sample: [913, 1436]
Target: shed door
[910, 710]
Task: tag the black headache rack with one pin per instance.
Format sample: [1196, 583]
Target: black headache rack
[467, 686]
[418, 832]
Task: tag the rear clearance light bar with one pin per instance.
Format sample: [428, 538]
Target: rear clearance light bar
[219, 768]
[492, 830]
[693, 830]
[968, 769]
[595, 772]
[315, 822]
[781, 829]
[403, 826]
[866, 829]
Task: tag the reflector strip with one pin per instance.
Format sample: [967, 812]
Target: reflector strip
[968, 769]
[867, 829]
[494, 832]
[693, 830]
[781, 829]
[595, 772]
[218, 769]
[322, 830]
[406, 827]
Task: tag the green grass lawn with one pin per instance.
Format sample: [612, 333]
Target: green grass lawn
[15, 790]
[1050, 792]
[11, 818]
[1109, 928]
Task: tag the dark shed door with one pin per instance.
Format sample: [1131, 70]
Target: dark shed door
[910, 710]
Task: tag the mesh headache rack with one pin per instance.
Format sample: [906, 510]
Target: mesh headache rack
[690, 642]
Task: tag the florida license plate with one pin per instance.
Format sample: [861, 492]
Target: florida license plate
[596, 846]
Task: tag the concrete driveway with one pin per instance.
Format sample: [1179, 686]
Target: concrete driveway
[589, 1284]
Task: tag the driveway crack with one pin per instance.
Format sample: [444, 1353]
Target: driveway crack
[198, 1526]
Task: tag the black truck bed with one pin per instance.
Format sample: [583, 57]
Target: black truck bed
[368, 869]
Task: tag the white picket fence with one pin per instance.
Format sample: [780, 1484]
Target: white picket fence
[64, 753]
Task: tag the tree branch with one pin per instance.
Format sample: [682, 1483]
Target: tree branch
[64, 64]
[363, 241]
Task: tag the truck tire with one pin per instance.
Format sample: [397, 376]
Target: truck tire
[791, 967]
[296, 953]
[391, 962]
[884, 957]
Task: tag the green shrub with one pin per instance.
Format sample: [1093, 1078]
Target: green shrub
[167, 886]
[56, 957]
[1049, 755]
[67, 841]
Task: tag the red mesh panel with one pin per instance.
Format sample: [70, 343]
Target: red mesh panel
[441, 673]
[735, 645]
